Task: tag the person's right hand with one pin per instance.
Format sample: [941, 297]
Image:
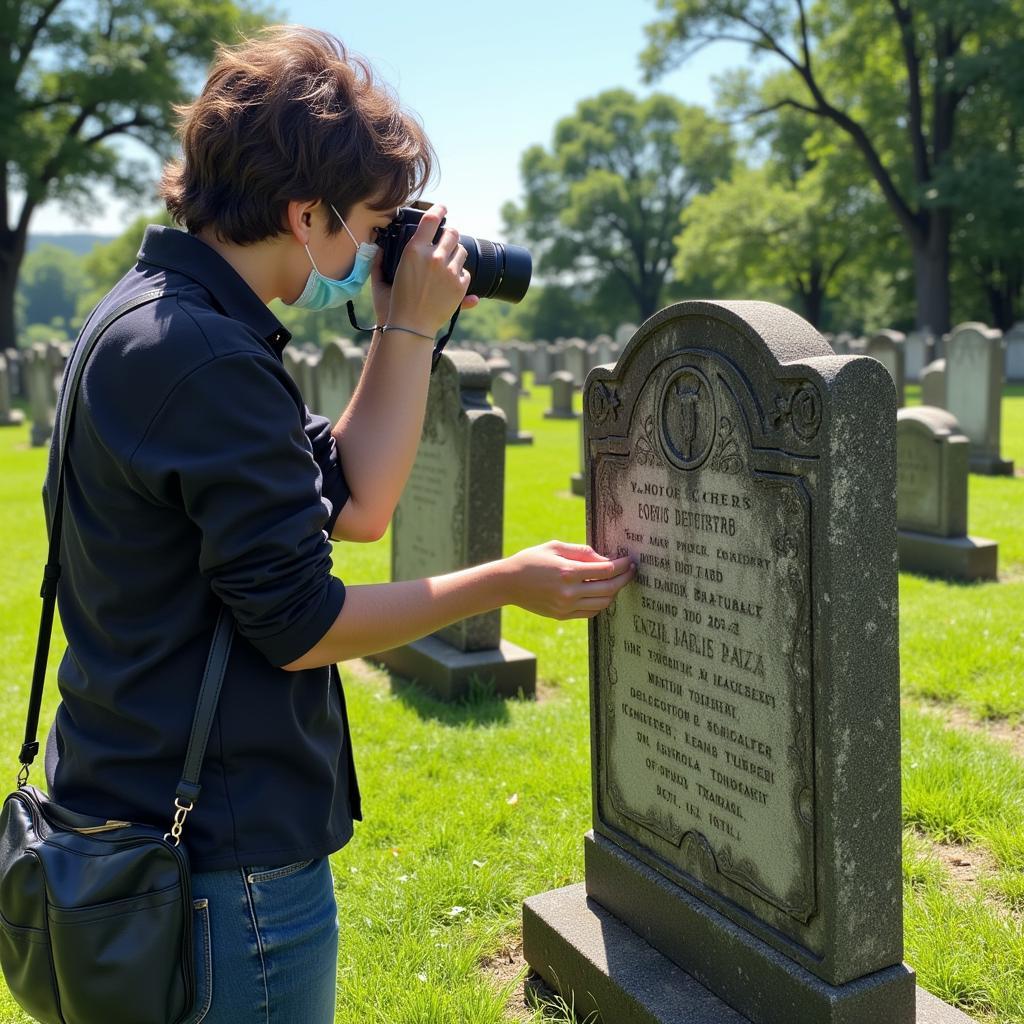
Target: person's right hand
[430, 280]
[567, 581]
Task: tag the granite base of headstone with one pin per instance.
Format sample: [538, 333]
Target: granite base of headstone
[745, 857]
[931, 499]
[450, 516]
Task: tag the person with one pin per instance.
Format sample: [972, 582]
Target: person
[197, 478]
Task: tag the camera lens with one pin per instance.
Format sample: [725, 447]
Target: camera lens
[497, 271]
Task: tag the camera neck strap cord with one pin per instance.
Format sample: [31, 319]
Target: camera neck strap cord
[438, 345]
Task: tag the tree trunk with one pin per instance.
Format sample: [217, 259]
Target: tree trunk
[10, 263]
[931, 272]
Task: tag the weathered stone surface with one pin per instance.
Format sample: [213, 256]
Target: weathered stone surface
[614, 977]
[505, 391]
[335, 378]
[451, 513]
[889, 348]
[574, 354]
[541, 363]
[933, 384]
[974, 391]
[728, 452]
[562, 389]
[931, 499]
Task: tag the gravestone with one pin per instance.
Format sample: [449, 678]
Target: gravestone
[497, 365]
[16, 368]
[574, 354]
[603, 349]
[562, 388]
[311, 380]
[450, 516]
[335, 390]
[624, 333]
[9, 417]
[541, 363]
[889, 348]
[42, 393]
[745, 856]
[1015, 353]
[974, 391]
[578, 481]
[841, 343]
[505, 391]
[933, 384]
[931, 499]
[917, 348]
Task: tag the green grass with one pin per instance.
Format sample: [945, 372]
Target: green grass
[470, 809]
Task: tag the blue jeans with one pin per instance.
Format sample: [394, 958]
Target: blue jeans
[266, 944]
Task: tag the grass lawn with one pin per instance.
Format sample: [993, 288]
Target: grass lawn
[470, 809]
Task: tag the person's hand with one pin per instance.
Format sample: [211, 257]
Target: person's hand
[567, 581]
[431, 280]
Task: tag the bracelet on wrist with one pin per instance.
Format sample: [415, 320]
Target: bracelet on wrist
[384, 328]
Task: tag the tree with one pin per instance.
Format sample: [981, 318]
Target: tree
[894, 75]
[74, 76]
[603, 205]
[52, 278]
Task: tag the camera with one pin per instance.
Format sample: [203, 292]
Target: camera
[496, 271]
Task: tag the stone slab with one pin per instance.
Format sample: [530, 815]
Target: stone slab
[578, 485]
[955, 558]
[598, 964]
[522, 437]
[447, 672]
[990, 465]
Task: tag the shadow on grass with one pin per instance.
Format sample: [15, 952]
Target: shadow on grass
[480, 705]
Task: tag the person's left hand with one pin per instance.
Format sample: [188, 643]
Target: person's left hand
[382, 293]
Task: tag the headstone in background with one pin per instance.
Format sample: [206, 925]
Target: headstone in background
[1015, 353]
[974, 392]
[841, 343]
[603, 349]
[450, 516]
[889, 348]
[578, 481]
[310, 375]
[15, 367]
[744, 689]
[505, 391]
[9, 417]
[575, 357]
[857, 346]
[497, 365]
[292, 359]
[541, 363]
[933, 384]
[624, 332]
[917, 348]
[931, 499]
[333, 375]
[557, 350]
[515, 354]
[562, 388]
[42, 392]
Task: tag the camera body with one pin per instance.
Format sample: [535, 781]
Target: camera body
[496, 271]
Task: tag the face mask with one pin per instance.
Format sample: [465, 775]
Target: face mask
[325, 292]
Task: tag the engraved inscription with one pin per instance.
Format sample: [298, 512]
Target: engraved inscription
[918, 483]
[704, 664]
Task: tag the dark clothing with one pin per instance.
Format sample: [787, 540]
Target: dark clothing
[196, 476]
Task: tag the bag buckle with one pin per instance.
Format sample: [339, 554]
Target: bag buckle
[22, 775]
[179, 820]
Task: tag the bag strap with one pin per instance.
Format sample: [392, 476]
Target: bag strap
[220, 648]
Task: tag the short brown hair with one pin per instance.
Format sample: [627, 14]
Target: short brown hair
[291, 115]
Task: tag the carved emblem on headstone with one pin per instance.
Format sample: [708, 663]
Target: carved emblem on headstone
[801, 409]
[602, 401]
[688, 420]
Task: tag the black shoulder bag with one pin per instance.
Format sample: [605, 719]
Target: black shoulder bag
[96, 914]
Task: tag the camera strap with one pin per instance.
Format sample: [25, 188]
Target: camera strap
[438, 345]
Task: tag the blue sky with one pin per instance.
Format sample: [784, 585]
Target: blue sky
[486, 85]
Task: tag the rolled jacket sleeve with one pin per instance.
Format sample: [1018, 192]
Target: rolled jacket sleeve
[229, 444]
[319, 430]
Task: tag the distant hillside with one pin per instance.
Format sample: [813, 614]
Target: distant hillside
[78, 244]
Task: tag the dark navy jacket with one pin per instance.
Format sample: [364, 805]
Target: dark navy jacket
[196, 476]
